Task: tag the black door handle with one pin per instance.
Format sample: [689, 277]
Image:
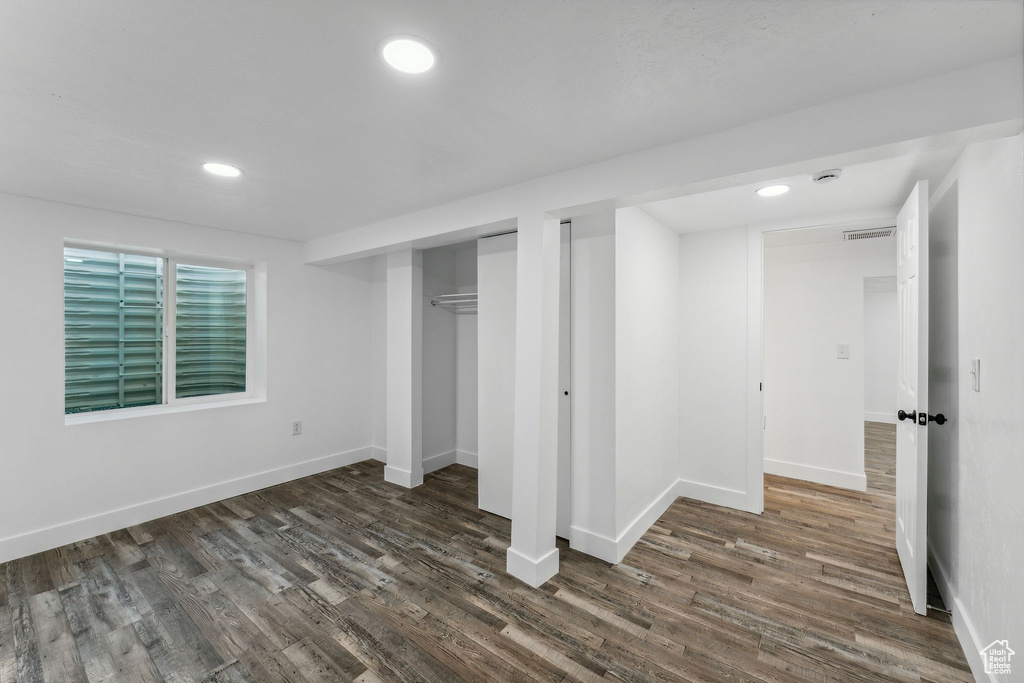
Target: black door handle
[903, 415]
[937, 418]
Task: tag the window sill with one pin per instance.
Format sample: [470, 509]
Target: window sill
[147, 411]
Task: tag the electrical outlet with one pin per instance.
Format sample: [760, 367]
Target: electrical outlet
[296, 427]
[843, 351]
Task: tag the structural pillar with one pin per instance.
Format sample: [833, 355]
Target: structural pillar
[533, 557]
[405, 368]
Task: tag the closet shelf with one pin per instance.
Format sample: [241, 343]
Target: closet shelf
[460, 304]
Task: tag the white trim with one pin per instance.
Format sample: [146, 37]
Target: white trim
[962, 623]
[55, 536]
[716, 495]
[530, 571]
[466, 458]
[436, 462]
[645, 520]
[149, 411]
[170, 375]
[400, 477]
[594, 544]
[614, 550]
[885, 418]
[820, 475]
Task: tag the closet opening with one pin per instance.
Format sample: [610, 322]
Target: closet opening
[450, 356]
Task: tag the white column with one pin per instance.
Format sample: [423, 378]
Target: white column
[405, 368]
[533, 557]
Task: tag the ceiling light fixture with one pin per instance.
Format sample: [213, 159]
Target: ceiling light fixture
[408, 54]
[773, 190]
[222, 169]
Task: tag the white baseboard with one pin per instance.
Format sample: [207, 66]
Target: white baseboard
[962, 624]
[819, 475]
[406, 478]
[530, 571]
[55, 536]
[887, 418]
[613, 550]
[645, 520]
[436, 462]
[594, 544]
[716, 495]
[466, 458]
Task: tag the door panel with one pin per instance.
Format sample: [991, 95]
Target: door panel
[912, 394]
[564, 508]
[496, 370]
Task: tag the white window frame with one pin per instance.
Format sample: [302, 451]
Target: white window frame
[171, 403]
[170, 340]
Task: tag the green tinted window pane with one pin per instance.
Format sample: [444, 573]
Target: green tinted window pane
[209, 331]
[113, 330]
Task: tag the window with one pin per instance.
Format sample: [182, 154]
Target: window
[118, 339]
[209, 331]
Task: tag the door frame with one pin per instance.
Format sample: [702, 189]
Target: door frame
[755, 340]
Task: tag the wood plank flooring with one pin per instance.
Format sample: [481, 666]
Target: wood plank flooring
[341, 576]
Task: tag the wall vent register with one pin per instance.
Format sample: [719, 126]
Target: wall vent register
[874, 233]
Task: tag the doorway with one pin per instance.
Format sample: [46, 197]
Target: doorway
[821, 348]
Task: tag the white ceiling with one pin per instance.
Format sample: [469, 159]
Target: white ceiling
[115, 104]
[882, 185]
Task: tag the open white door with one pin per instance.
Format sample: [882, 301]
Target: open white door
[912, 394]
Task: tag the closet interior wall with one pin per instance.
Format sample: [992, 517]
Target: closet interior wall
[449, 360]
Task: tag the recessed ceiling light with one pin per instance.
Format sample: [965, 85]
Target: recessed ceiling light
[408, 54]
[222, 169]
[773, 190]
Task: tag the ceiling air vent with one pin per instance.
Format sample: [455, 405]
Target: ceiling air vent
[867, 234]
[828, 176]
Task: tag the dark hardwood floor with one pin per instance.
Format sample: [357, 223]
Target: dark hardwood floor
[341, 576]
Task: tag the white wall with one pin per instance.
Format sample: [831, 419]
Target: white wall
[814, 401]
[881, 349]
[713, 367]
[646, 369]
[976, 544]
[71, 482]
[496, 329]
[439, 378]
[466, 363]
[592, 392]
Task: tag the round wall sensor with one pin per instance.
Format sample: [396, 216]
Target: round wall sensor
[826, 176]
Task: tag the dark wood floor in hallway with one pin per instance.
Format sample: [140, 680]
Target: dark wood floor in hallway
[341, 576]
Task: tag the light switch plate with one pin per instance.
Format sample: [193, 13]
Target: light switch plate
[976, 374]
[843, 351]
